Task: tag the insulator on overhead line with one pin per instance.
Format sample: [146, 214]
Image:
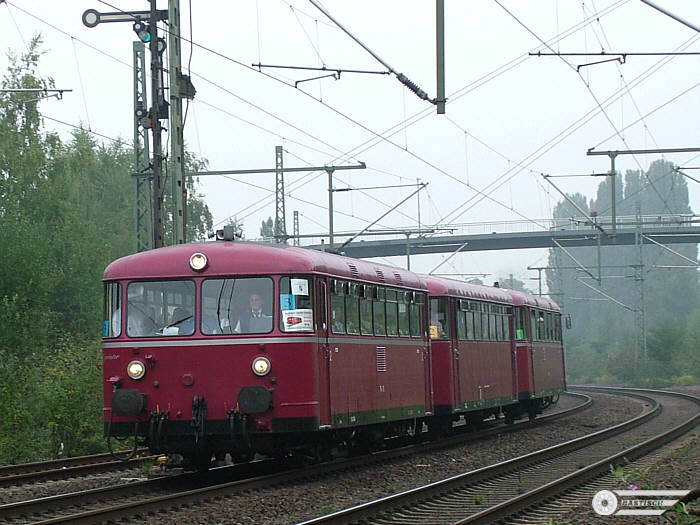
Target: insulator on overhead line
[412, 86]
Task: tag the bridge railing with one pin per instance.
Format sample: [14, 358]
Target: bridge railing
[520, 226]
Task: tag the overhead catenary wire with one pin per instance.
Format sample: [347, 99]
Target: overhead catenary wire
[590, 90]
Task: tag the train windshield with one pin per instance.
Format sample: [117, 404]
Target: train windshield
[160, 308]
[237, 306]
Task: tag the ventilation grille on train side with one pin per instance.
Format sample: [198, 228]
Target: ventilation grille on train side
[381, 359]
[353, 270]
[380, 274]
[398, 278]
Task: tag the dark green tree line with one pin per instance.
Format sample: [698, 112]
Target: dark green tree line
[66, 211]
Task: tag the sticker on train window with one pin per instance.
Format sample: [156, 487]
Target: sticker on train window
[286, 301]
[300, 320]
[299, 286]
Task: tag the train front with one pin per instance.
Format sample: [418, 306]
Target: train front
[208, 349]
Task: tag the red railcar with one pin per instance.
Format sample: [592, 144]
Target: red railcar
[540, 354]
[239, 347]
[473, 356]
[242, 348]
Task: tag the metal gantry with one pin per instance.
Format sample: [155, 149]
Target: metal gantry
[280, 221]
[142, 168]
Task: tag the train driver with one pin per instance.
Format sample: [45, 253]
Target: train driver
[254, 320]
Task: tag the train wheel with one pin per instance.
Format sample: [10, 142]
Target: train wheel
[532, 411]
[439, 426]
[200, 459]
[242, 455]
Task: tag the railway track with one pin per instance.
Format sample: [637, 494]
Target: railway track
[66, 468]
[500, 492]
[163, 494]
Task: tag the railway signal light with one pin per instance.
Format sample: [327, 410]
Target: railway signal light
[144, 118]
[142, 30]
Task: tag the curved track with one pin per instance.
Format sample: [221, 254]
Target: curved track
[162, 494]
[496, 493]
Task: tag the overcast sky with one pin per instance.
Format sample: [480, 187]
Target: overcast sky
[509, 117]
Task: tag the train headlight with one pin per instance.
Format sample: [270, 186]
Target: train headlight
[261, 366]
[198, 261]
[136, 370]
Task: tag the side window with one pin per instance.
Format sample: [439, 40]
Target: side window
[366, 310]
[379, 312]
[416, 328]
[461, 325]
[112, 319]
[478, 332]
[296, 306]
[439, 318]
[558, 327]
[469, 319]
[392, 313]
[492, 327]
[337, 311]
[352, 310]
[404, 323]
[499, 327]
[520, 323]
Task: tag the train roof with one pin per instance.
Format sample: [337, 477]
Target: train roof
[526, 299]
[248, 258]
[442, 286]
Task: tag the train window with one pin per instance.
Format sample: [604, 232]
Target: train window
[499, 327]
[492, 327]
[379, 315]
[392, 315]
[439, 318]
[338, 313]
[112, 324]
[477, 325]
[366, 314]
[550, 321]
[296, 307]
[506, 328]
[160, 308]
[238, 305]
[520, 323]
[404, 323]
[352, 314]
[558, 327]
[416, 328]
[469, 322]
[461, 325]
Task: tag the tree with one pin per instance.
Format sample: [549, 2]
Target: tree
[267, 229]
[670, 295]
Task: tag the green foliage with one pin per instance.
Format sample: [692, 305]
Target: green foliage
[603, 345]
[267, 229]
[66, 211]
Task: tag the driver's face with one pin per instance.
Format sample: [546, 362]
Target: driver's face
[255, 302]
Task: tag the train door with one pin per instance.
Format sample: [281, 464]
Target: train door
[513, 349]
[457, 317]
[324, 387]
